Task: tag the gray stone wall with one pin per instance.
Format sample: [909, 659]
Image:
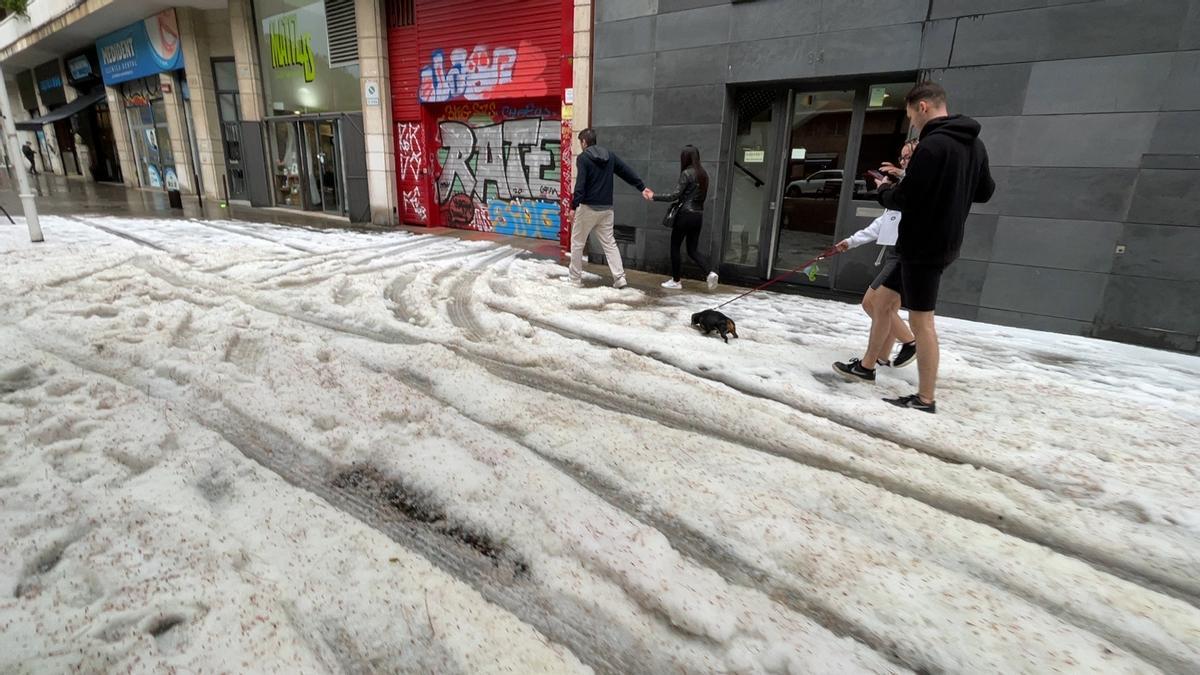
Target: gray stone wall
[1091, 112]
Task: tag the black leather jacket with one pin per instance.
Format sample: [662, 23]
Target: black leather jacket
[687, 192]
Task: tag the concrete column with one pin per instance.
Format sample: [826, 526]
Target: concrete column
[197, 56]
[245, 54]
[581, 71]
[377, 118]
[177, 125]
[120, 128]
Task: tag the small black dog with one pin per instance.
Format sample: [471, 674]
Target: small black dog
[710, 320]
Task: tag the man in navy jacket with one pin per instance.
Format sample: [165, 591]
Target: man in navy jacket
[593, 204]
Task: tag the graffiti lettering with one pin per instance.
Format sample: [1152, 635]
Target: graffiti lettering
[464, 111]
[414, 205]
[509, 160]
[525, 217]
[527, 110]
[410, 159]
[460, 211]
[470, 76]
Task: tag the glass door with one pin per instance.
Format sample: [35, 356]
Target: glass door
[752, 180]
[797, 176]
[815, 169]
[327, 159]
[285, 164]
[230, 114]
[312, 167]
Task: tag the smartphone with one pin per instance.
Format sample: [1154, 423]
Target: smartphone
[878, 177]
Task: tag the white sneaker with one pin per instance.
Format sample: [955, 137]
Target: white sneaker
[672, 284]
[620, 283]
[577, 283]
[713, 279]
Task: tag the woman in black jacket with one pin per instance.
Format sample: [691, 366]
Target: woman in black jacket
[690, 194]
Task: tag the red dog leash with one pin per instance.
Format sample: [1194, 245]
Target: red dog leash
[827, 253]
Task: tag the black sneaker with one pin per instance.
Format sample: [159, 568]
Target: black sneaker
[883, 362]
[914, 401]
[853, 370]
[908, 354]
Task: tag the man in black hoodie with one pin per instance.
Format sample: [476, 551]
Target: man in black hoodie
[593, 204]
[947, 173]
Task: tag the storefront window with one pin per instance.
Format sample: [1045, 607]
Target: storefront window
[885, 128]
[298, 74]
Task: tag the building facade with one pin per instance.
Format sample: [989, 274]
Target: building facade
[1090, 112]
[463, 114]
[264, 102]
[482, 107]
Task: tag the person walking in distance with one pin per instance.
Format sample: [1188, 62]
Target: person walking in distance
[593, 204]
[27, 150]
[689, 194]
[883, 231]
[947, 173]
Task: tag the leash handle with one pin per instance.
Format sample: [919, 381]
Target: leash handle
[827, 253]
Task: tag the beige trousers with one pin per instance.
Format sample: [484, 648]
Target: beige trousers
[588, 219]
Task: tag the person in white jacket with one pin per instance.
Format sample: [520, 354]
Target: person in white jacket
[884, 231]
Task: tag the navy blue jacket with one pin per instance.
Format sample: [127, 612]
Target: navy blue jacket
[594, 169]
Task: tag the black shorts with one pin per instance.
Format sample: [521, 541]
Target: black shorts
[917, 285]
[890, 261]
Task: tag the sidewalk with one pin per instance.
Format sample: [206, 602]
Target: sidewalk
[58, 195]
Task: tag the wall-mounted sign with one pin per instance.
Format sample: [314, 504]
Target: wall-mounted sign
[371, 89]
[755, 156]
[79, 67]
[50, 84]
[145, 48]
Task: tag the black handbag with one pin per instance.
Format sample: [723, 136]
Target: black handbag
[669, 219]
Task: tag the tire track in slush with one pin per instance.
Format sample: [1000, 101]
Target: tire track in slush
[508, 585]
[700, 549]
[693, 546]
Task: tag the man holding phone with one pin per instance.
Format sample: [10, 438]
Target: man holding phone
[947, 173]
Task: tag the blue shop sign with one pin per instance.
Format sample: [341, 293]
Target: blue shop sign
[50, 83]
[79, 67]
[145, 48]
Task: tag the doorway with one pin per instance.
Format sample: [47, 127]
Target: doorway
[798, 166]
[307, 157]
[152, 142]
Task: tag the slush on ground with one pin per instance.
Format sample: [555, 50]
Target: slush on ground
[228, 447]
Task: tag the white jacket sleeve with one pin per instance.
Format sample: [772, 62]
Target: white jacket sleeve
[868, 234]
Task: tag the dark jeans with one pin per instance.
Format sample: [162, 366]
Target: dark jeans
[687, 228]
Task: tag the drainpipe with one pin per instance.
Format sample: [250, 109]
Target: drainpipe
[28, 204]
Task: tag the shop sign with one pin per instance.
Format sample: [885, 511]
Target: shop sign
[50, 84]
[79, 67]
[291, 42]
[144, 48]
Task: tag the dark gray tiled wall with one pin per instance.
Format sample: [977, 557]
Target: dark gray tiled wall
[1091, 112]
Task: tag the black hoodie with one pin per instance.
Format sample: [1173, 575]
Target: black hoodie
[948, 171]
[594, 169]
